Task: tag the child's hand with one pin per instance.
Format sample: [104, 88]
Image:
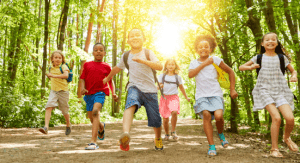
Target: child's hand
[293, 79]
[233, 94]
[115, 97]
[83, 91]
[209, 61]
[137, 59]
[188, 99]
[254, 66]
[105, 80]
[161, 85]
[49, 75]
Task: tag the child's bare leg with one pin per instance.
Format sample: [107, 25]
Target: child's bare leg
[287, 113]
[90, 115]
[174, 120]
[276, 120]
[127, 118]
[166, 125]
[219, 120]
[208, 129]
[157, 132]
[67, 117]
[96, 120]
[47, 116]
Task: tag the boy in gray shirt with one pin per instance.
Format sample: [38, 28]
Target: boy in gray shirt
[141, 87]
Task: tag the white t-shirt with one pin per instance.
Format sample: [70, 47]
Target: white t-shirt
[207, 84]
[170, 88]
[140, 75]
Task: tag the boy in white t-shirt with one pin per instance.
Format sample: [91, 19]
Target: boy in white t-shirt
[209, 96]
[141, 87]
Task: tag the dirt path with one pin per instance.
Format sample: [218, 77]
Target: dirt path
[28, 145]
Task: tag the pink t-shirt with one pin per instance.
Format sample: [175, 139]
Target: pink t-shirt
[93, 73]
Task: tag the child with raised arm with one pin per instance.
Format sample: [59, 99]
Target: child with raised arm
[59, 94]
[169, 104]
[271, 90]
[141, 87]
[209, 96]
[95, 91]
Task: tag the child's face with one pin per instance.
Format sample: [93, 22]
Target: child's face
[171, 66]
[99, 52]
[136, 38]
[57, 59]
[270, 41]
[203, 49]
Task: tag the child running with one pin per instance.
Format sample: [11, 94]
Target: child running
[95, 91]
[271, 90]
[141, 87]
[59, 94]
[209, 96]
[170, 81]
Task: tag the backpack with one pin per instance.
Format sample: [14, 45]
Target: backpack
[70, 76]
[169, 82]
[125, 59]
[282, 66]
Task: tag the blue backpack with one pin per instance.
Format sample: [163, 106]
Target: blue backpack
[70, 78]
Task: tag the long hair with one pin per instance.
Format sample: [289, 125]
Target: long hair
[59, 52]
[176, 71]
[279, 48]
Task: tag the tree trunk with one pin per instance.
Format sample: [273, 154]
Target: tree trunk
[114, 50]
[47, 6]
[65, 10]
[121, 75]
[100, 8]
[295, 38]
[254, 24]
[77, 32]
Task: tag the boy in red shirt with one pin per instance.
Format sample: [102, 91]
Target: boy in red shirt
[95, 91]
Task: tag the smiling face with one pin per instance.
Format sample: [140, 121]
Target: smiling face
[98, 53]
[171, 66]
[57, 59]
[270, 41]
[203, 49]
[136, 39]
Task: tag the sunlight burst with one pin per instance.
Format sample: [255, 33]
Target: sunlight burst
[168, 38]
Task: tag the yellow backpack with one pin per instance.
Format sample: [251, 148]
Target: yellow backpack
[223, 77]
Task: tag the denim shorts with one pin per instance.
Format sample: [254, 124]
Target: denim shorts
[90, 100]
[148, 100]
[210, 104]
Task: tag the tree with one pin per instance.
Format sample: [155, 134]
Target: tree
[62, 26]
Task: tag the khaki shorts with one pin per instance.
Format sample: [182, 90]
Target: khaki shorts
[60, 99]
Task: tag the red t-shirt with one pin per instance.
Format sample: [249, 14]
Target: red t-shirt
[93, 73]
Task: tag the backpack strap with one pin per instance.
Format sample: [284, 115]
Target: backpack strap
[49, 69]
[147, 53]
[163, 78]
[282, 63]
[125, 59]
[177, 81]
[259, 58]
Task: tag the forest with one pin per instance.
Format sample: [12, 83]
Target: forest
[31, 30]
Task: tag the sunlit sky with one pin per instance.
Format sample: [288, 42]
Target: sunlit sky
[168, 37]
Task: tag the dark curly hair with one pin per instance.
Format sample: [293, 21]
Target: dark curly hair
[211, 40]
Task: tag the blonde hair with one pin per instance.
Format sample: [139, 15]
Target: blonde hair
[59, 52]
[176, 71]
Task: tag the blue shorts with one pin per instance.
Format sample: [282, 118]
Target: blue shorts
[149, 101]
[210, 104]
[90, 100]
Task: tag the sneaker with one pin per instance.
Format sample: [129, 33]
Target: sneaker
[174, 136]
[158, 144]
[68, 130]
[92, 146]
[44, 130]
[124, 141]
[167, 137]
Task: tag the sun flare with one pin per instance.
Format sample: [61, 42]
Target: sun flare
[168, 38]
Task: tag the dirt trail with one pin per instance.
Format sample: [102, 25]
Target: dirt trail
[28, 145]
